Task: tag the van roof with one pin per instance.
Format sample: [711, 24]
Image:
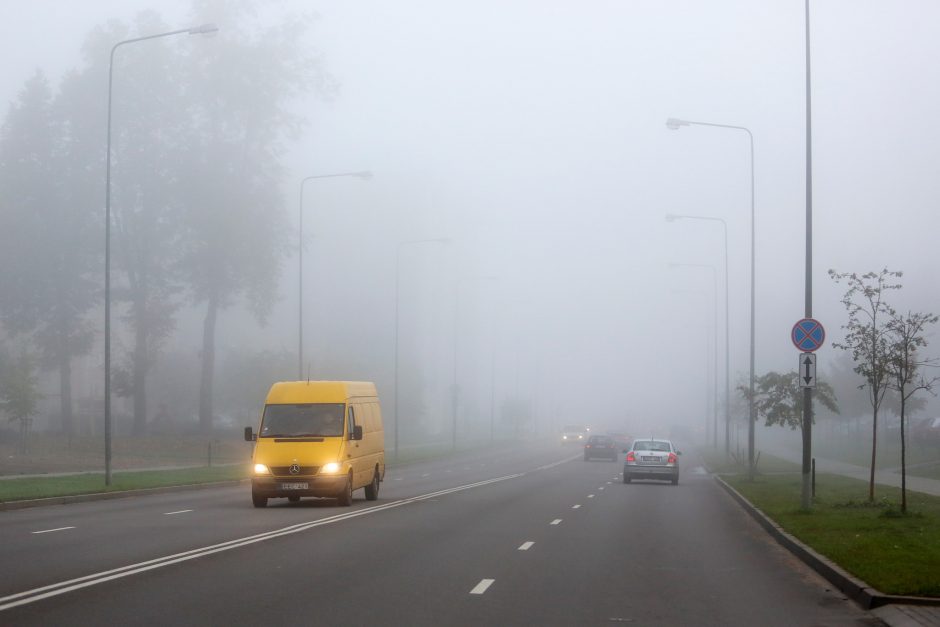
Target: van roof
[286, 392]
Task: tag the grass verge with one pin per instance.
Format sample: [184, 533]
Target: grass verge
[70, 485]
[895, 553]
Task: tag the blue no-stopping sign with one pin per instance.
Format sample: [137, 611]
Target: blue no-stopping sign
[808, 335]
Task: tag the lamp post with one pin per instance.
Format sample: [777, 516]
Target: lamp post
[365, 175]
[440, 240]
[454, 394]
[715, 342]
[671, 217]
[204, 29]
[675, 124]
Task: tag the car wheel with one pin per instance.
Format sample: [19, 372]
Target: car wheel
[627, 478]
[344, 498]
[293, 499]
[258, 500]
[372, 490]
[585, 458]
[675, 481]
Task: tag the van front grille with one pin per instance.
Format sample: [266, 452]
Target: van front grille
[284, 471]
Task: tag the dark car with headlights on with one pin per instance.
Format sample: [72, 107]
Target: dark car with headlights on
[652, 459]
[602, 446]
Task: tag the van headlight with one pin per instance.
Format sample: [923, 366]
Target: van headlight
[331, 468]
[261, 469]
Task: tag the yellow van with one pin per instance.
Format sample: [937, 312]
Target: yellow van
[318, 438]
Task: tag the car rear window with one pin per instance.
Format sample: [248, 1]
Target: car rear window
[651, 445]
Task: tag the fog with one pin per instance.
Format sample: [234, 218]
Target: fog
[531, 137]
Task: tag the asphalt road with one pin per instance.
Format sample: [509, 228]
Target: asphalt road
[521, 537]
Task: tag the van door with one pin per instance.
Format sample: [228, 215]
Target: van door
[353, 452]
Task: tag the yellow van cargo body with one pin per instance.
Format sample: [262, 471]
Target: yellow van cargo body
[318, 438]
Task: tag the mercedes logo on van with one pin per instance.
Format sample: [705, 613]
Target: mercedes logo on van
[294, 469]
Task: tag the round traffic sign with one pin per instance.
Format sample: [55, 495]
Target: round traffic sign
[808, 335]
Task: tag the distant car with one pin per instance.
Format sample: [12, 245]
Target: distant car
[621, 439]
[652, 459]
[600, 446]
[574, 434]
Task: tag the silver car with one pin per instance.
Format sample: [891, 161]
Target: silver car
[651, 459]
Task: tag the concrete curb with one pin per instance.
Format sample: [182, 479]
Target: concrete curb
[119, 494]
[856, 589]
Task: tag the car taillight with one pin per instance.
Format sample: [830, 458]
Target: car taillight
[631, 457]
[672, 458]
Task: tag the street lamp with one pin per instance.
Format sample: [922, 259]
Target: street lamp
[675, 124]
[671, 217]
[454, 395]
[440, 240]
[204, 29]
[715, 343]
[364, 175]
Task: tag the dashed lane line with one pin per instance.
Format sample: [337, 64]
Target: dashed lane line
[575, 506]
[481, 587]
[557, 521]
[526, 546]
[52, 530]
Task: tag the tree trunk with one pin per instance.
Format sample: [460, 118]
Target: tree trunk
[64, 354]
[208, 365]
[140, 368]
[874, 447]
[65, 392]
[903, 459]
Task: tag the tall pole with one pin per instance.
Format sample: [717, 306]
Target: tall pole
[671, 218]
[806, 487]
[674, 124]
[198, 30]
[397, 308]
[300, 262]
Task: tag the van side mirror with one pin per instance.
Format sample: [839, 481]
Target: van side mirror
[357, 432]
[249, 436]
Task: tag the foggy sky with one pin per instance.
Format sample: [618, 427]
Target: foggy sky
[532, 133]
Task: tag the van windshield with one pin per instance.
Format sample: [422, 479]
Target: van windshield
[303, 420]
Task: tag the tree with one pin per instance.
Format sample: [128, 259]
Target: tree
[48, 251]
[19, 397]
[238, 92]
[906, 338]
[866, 339]
[779, 398]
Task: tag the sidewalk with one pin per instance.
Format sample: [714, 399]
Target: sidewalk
[882, 477]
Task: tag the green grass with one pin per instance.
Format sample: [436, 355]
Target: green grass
[897, 554]
[43, 487]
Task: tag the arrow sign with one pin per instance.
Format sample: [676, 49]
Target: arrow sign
[807, 370]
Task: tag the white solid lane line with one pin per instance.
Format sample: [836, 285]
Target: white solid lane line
[51, 530]
[526, 546]
[575, 506]
[482, 586]
[182, 511]
[557, 521]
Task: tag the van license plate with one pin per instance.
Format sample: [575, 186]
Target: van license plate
[298, 485]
